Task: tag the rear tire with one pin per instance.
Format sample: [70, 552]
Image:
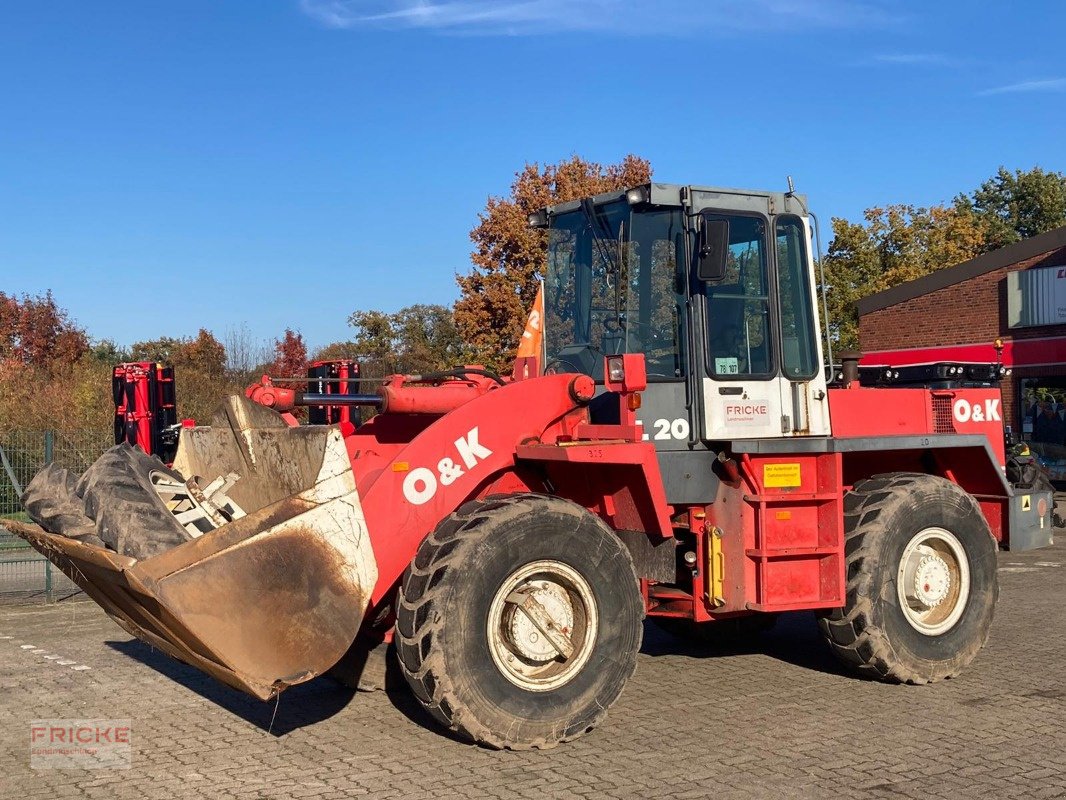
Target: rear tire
[921, 580]
[119, 496]
[478, 662]
[51, 502]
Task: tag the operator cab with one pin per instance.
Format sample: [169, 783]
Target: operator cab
[713, 286]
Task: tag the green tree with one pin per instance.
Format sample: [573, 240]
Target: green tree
[418, 338]
[496, 295]
[1017, 205]
[892, 245]
[107, 352]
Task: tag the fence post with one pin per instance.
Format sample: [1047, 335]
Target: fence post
[49, 447]
[48, 581]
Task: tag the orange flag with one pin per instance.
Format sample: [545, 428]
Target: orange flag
[531, 343]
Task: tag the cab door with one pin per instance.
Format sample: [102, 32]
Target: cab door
[762, 360]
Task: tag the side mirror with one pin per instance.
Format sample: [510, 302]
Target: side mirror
[713, 250]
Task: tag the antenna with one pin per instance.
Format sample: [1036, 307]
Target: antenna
[791, 187]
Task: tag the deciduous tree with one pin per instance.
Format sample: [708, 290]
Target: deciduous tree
[35, 331]
[893, 244]
[415, 339]
[290, 355]
[1016, 205]
[497, 293]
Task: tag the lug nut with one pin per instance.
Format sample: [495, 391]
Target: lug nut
[690, 558]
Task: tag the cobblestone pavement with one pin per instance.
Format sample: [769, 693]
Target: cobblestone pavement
[776, 719]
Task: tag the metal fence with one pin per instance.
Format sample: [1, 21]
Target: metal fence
[25, 575]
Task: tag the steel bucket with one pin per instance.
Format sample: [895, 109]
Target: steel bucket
[264, 602]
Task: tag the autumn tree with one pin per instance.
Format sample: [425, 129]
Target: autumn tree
[35, 331]
[498, 291]
[893, 244]
[1012, 206]
[199, 370]
[49, 377]
[290, 355]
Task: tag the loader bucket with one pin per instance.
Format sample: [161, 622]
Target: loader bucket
[266, 601]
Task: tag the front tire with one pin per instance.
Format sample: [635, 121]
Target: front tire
[519, 621]
[921, 580]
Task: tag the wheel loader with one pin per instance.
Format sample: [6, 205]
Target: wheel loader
[676, 454]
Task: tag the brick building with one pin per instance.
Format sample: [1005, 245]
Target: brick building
[1016, 294]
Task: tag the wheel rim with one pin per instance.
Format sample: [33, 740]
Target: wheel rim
[542, 625]
[933, 582]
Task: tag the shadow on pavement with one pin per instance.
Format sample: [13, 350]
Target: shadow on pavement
[301, 705]
[794, 640]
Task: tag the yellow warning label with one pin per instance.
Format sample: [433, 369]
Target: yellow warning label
[777, 476]
[1027, 502]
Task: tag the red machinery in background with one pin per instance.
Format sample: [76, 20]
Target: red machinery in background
[339, 377]
[146, 407]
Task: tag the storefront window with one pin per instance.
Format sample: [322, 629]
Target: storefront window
[1043, 417]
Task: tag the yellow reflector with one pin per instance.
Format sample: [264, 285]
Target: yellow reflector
[400, 466]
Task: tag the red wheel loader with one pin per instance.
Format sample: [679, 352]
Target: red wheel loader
[677, 454]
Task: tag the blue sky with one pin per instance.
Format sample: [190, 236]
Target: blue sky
[171, 165]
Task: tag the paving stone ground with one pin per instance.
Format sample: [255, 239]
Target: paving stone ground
[775, 719]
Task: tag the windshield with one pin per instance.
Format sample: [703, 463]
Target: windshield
[612, 286]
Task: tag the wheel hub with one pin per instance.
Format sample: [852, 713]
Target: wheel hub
[524, 636]
[932, 581]
[542, 625]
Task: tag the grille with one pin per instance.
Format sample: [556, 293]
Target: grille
[943, 422]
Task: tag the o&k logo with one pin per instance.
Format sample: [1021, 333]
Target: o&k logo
[421, 483]
[965, 411]
[80, 744]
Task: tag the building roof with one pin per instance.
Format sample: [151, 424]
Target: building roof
[942, 278]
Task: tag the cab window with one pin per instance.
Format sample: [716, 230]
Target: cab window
[738, 307]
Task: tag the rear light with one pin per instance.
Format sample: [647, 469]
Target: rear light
[616, 371]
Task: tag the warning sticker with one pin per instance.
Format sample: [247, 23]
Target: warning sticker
[1027, 502]
[777, 476]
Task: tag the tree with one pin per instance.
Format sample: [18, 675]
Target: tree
[896, 243]
[1017, 205]
[108, 353]
[246, 356]
[199, 370]
[426, 338]
[290, 355]
[415, 339]
[35, 331]
[497, 293]
[337, 351]
[163, 349]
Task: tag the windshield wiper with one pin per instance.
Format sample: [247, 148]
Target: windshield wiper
[601, 235]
